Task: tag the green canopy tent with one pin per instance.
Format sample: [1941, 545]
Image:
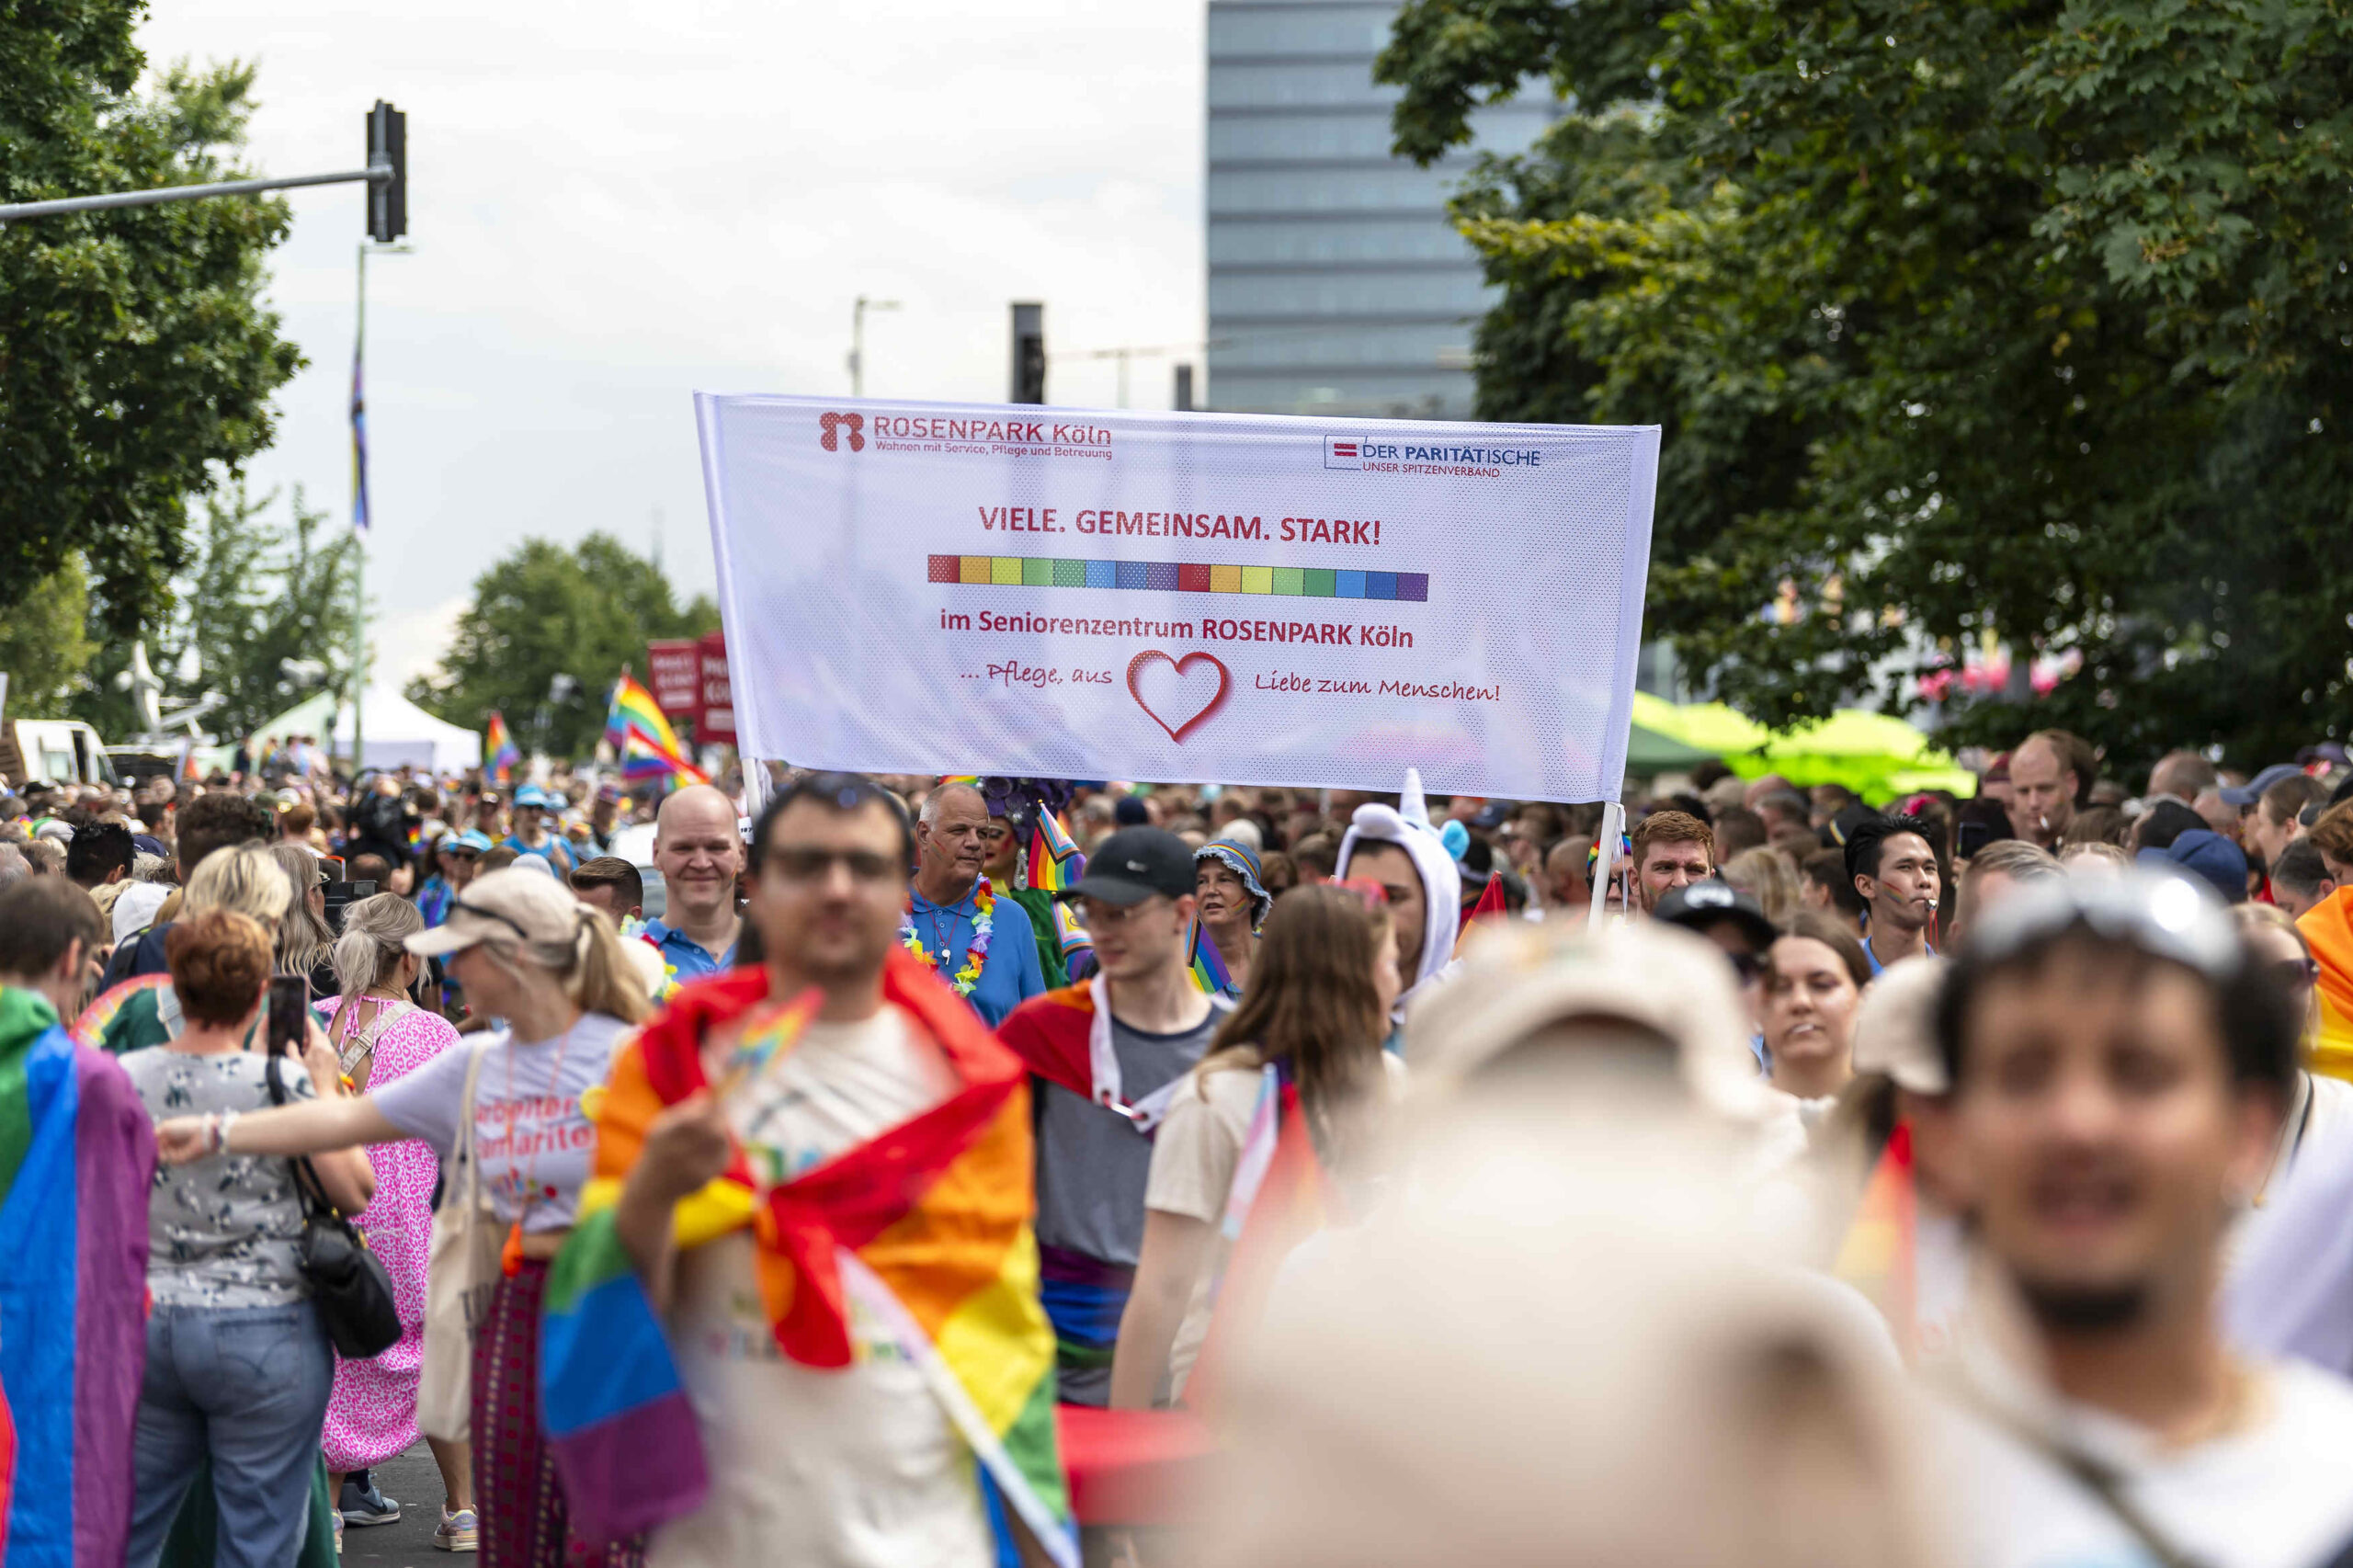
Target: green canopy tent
[1877, 757]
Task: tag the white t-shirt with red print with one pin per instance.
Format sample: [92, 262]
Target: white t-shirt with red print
[531, 1137]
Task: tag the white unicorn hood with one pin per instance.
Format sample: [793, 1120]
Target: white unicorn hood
[1407, 825]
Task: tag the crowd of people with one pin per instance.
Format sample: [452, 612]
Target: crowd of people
[888, 1170]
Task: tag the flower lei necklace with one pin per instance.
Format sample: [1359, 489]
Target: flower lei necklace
[983, 902]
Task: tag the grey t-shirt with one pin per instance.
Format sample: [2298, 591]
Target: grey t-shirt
[531, 1133]
[221, 1233]
[1093, 1164]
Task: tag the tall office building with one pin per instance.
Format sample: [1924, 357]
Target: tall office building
[1336, 284]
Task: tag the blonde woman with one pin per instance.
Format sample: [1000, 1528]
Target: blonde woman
[305, 944]
[552, 969]
[1764, 874]
[146, 1011]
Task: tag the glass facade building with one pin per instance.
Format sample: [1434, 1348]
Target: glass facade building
[1336, 283]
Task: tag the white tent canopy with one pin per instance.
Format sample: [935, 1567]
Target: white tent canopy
[399, 732]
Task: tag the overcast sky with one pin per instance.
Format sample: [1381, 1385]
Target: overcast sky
[614, 205]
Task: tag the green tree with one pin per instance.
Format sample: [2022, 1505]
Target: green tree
[265, 619]
[2012, 317]
[44, 643]
[543, 612]
[137, 360]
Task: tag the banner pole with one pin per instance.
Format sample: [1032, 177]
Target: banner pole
[1613, 826]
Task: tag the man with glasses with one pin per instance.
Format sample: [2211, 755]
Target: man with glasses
[886, 1134]
[981, 946]
[2119, 1067]
[1111, 1053]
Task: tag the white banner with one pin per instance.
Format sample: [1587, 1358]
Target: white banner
[1188, 597]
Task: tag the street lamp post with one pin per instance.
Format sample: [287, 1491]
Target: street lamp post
[858, 340]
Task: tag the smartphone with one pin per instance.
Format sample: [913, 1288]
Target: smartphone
[289, 1013]
[339, 896]
[1970, 839]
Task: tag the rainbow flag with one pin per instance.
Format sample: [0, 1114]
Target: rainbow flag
[77, 1155]
[1280, 1197]
[641, 761]
[1208, 968]
[926, 1227]
[1055, 860]
[91, 1024]
[499, 748]
[2327, 928]
[636, 727]
[1070, 933]
[1877, 1256]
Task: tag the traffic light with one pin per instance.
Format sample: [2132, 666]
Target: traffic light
[388, 199]
[1028, 353]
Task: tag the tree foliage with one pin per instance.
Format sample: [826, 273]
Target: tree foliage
[545, 612]
[44, 644]
[263, 619]
[136, 358]
[2018, 318]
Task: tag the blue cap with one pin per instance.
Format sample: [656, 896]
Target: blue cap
[531, 795]
[478, 843]
[2246, 794]
[2205, 856]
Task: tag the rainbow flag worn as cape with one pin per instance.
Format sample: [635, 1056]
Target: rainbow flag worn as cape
[927, 1225]
[90, 1025]
[500, 745]
[1880, 1252]
[77, 1155]
[2327, 928]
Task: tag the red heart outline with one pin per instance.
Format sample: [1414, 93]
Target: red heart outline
[1224, 688]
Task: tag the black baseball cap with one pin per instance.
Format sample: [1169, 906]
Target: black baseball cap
[1133, 864]
[1711, 903]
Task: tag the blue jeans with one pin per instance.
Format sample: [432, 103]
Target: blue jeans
[248, 1387]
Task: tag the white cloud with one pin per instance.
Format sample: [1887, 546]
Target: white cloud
[614, 204]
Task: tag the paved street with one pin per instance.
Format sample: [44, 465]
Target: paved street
[414, 1481]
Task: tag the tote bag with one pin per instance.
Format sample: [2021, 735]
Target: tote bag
[460, 1274]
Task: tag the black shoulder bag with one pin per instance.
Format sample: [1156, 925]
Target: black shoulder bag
[350, 1284]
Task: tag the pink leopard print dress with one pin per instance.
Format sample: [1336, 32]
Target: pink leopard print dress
[372, 1414]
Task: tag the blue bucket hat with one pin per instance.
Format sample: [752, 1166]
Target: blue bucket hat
[1244, 860]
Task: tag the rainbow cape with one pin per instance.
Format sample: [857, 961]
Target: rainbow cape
[927, 1224]
[499, 747]
[1065, 1037]
[91, 1025]
[1878, 1254]
[77, 1155]
[2327, 926]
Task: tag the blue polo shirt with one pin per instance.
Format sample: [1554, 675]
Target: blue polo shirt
[1010, 973]
[684, 958]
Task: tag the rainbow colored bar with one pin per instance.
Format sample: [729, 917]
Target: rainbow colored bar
[1179, 577]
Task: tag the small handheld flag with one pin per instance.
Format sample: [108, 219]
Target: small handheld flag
[1208, 965]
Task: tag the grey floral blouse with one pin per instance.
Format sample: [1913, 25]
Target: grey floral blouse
[221, 1232]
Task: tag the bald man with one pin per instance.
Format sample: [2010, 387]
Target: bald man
[698, 849]
[987, 955]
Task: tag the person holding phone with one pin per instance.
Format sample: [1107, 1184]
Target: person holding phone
[238, 1364]
[555, 972]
